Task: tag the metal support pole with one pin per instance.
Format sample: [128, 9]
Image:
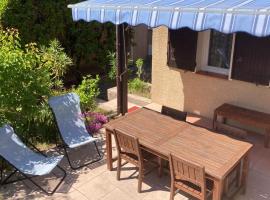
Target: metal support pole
[1, 170]
[122, 76]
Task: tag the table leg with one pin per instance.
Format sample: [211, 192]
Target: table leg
[214, 121]
[160, 169]
[218, 189]
[266, 139]
[244, 176]
[109, 149]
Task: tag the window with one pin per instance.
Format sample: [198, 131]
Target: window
[237, 56]
[220, 49]
[218, 52]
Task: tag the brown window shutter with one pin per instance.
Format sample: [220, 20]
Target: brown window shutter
[182, 49]
[251, 61]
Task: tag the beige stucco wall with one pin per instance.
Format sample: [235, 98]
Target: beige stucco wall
[197, 93]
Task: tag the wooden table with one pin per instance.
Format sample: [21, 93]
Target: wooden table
[161, 135]
[244, 116]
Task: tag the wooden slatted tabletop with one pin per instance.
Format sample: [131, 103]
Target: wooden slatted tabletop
[219, 154]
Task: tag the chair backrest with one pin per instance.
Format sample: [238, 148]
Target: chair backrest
[188, 172]
[176, 114]
[13, 150]
[69, 117]
[127, 143]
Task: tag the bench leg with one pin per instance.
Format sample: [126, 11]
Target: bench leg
[215, 121]
[224, 120]
[266, 139]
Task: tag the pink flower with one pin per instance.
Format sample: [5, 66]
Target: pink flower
[94, 121]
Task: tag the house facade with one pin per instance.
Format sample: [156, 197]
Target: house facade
[142, 39]
[210, 69]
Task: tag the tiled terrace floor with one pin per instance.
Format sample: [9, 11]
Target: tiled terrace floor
[97, 183]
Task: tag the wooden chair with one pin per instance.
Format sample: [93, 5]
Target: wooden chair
[128, 149]
[190, 178]
[176, 114]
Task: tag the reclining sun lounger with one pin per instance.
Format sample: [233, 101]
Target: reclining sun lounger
[29, 163]
[71, 125]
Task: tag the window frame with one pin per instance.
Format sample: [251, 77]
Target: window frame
[202, 58]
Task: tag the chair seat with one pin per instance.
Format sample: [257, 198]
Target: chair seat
[21, 157]
[130, 158]
[70, 120]
[192, 187]
[147, 155]
[39, 167]
[134, 159]
[80, 140]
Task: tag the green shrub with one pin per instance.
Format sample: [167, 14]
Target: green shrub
[112, 61]
[137, 86]
[27, 76]
[88, 91]
[139, 65]
[56, 60]
[25, 79]
[3, 6]
[43, 21]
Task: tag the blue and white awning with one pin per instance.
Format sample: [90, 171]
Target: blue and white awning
[227, 16]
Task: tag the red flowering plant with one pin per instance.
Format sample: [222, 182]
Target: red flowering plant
[94, 121]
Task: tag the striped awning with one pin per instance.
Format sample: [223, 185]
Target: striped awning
[227, 16]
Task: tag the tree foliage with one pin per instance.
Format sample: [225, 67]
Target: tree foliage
[56, 61]
[139, 65]
[43, 21]
[24, 79]
[88, 91]
[112, 62]
[27, 75]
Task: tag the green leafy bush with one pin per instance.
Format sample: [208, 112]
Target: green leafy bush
[139, 87]
[139, 65]
[27, 76]
[43, 21]
[25, 80]
[56, 60]
[88, 91]
[112, 61]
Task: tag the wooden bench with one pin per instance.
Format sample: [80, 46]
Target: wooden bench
[244, 116]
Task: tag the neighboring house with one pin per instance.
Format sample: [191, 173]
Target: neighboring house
[142, 48]
[199, 71]
[142, 42]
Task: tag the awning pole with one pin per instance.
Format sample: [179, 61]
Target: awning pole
[122, 76]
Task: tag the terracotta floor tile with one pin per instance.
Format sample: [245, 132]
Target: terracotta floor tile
[117, 194]
[96, 188]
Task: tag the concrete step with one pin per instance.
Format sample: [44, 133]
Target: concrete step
[132, 98]
[112, 93]
[111, 106]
